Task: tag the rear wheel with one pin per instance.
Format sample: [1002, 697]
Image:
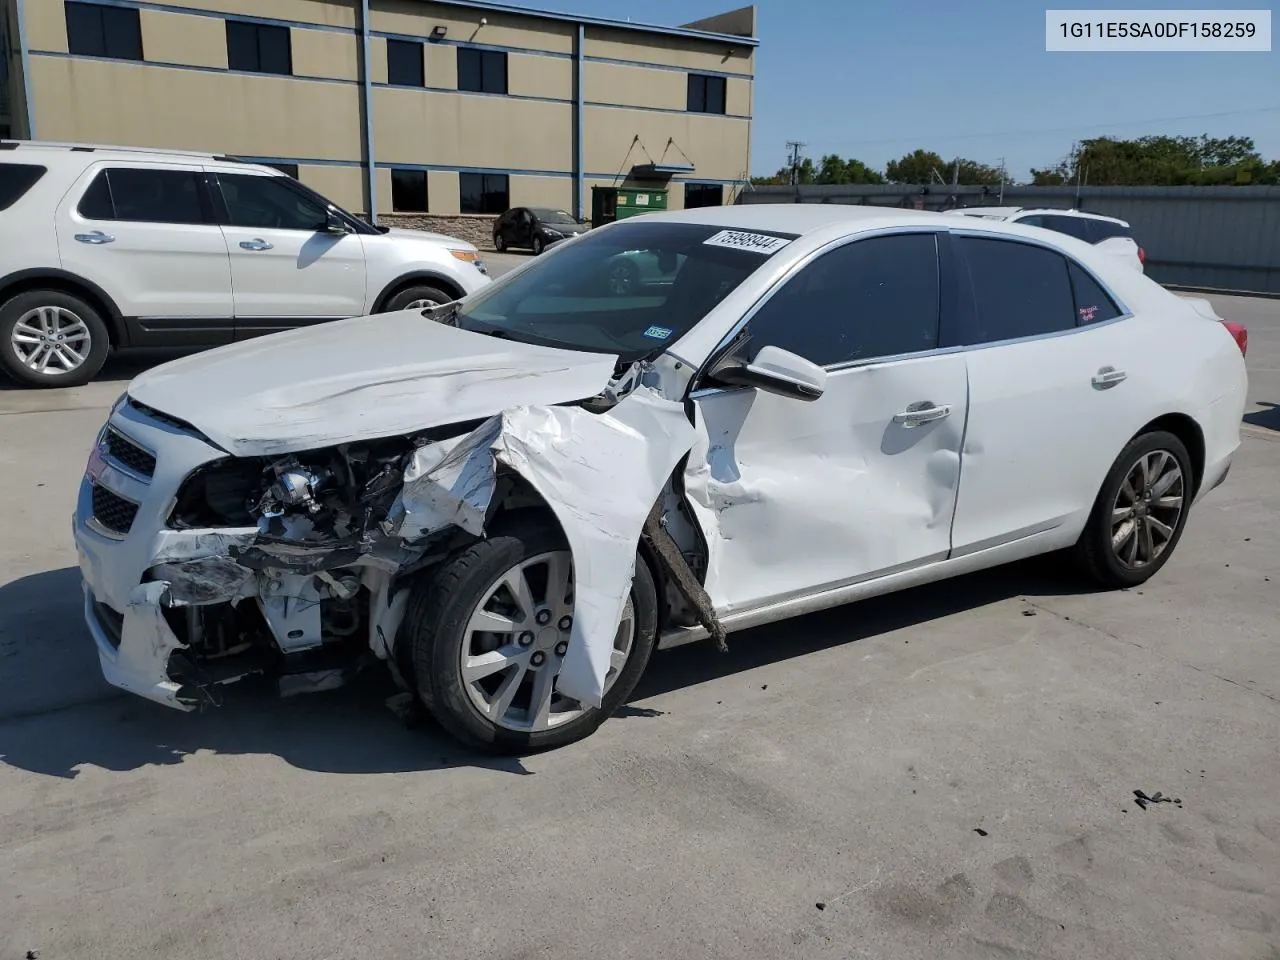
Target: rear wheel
[417, 297]
[49, 338]
[1140, 512]
[499, 242]
[489, 635]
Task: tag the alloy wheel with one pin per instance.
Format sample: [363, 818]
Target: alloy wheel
[516, 640]
[1147, 509]
[51, 340]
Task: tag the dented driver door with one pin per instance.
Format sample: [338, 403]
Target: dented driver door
[798, 497]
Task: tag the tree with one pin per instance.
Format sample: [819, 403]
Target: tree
[920, 166]
[833, 169]
[1161, 161]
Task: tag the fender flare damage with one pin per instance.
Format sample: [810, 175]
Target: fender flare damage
[601, 474]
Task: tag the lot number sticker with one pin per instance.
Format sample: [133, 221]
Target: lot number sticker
[741, 240]
[657, 333]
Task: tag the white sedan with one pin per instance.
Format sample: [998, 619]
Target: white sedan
[514, 499]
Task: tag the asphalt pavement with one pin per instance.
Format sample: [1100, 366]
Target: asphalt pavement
[947, 772]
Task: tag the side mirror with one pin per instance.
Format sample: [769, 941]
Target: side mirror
[776, 371]
[335, 224]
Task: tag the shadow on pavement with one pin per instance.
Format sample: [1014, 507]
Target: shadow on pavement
[124, 367]
[1267, 418]
[56, 712]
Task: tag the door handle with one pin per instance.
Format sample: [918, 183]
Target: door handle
[255, 244]
[97, 236]
[922, 412]
[1108, 377]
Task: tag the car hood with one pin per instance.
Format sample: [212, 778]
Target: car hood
[360, 379]
[568, 229]
[436, 239]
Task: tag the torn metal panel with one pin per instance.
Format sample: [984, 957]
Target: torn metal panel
[204, 581]
[140, 663]
[837, 486]
[450, 482]
[340, 383]
[600, 475]
[668, 553]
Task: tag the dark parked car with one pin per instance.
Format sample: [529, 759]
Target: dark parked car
[535, 228]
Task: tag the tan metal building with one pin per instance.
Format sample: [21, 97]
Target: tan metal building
[445, 107]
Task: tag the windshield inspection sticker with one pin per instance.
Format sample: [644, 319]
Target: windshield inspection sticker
[657, 333]
[741, 240]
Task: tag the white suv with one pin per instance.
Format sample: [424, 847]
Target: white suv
[116, 248]
[1108, 234]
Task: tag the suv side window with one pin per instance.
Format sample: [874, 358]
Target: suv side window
[15, 180]
[1093, 305]
[1019, 289]
[144, 195]
[1077, 227]
[1105, 230]
[877, 297]
[268, 203]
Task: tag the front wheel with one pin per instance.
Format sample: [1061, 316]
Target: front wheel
[416, 298]
[538, 246]
[490, 631]
[1140, 512]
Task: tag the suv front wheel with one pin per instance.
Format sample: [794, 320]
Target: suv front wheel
[49, 338]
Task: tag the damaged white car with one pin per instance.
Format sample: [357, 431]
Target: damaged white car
[512, 500]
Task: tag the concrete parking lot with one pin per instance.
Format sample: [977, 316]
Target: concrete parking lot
[948, 772]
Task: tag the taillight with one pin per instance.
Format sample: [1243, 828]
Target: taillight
[1142, 256]
[1240, 333]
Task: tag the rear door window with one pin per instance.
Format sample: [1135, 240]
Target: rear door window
[145, 195]
[1019, 290]
[15, 180]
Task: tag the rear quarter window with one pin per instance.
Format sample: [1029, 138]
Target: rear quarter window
[15, 180]
[1105, 230]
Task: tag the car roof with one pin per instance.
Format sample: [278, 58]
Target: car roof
[92, 151]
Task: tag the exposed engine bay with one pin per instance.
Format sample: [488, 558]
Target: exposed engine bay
[300, 566]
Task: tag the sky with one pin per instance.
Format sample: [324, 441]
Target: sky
[875, 79]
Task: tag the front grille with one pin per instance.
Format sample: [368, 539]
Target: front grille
[113, 511]
[124, 450]
[112, 623]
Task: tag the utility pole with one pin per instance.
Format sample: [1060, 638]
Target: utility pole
[1003, 177]
[794, 146]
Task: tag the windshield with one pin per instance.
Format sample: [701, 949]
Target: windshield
[628, 290]
[554, 216]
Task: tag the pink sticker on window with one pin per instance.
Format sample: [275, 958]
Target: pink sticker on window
[1087, 314]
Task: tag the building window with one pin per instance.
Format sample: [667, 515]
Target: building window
[703, 195]
[706, 93]
[482, 71]
[94, 30]
[484, 192]
[290, 168]
[409, 191]
[404, 63]
[258, 48]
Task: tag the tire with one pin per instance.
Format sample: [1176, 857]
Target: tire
[34, 314]
[538, 246]
[499, 243]
[437, 628]
[1113, 566]
[406, 298]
